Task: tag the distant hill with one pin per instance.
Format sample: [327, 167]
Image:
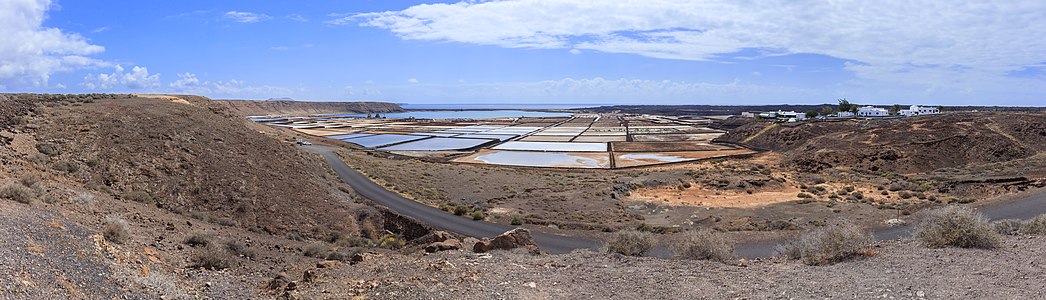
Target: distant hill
[281, 99]
[712, 110]
[904, 145]
[287, 107]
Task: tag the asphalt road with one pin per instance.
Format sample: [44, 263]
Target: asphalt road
[437, 218]
[1021, 207]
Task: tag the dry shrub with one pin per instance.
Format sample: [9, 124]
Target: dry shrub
[30, 180]
[631, 242]
[240, 249]
[84, 198]
[212, 258]
[705, 244]
[17, 192]
[956, 227]
[828, 245]
[1035, 226]
[317, 250]
[1008, 226]
[138, 196]
[197, 239]
[115, 230]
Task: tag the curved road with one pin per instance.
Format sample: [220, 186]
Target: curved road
[437, 218]
[1019, 207]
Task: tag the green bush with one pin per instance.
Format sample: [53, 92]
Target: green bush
[517, 221]
[828, 245]
[460, 210]
[956, 227]
[392, 241]
[631, 242]
[478, 215]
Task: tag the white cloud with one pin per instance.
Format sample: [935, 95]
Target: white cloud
[297, 18]
[575, 51]
[139, 78]
[30, 53]
[413, 80]
[285, 48]
[246, 17]
[189, 83]
[590, 90]
[917, 43]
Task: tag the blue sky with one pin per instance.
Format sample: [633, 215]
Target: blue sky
[533, 51]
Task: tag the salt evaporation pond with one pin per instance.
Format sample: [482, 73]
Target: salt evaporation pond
[379, 140]
[544, 159]
[653, 156]
[348, 136]
[437, 144]
[553, 146]
[500, 137]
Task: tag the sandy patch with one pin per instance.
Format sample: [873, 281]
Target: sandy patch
[650, 158]
[696, 196]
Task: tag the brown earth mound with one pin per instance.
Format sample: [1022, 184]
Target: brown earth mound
[283, 107]
[193, 156]
[907, 145]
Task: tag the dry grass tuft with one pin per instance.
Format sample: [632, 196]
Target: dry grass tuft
[631, 243]
[17, 192]
[829, 245]
[115, 230]
[705, 245]
[957, 227]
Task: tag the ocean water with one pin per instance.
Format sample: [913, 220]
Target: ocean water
[489, 106]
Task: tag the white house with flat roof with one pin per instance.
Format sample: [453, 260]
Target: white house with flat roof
[872, 111]
[842, 114]
[916, 110]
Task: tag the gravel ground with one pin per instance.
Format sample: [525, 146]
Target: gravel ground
[901, 270]
[44, 256]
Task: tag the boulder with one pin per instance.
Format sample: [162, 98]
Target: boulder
[279, 282]
[512, 239]
[451, 244]
[327, 264]
[362, 257]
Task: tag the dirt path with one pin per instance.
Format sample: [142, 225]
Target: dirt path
[757, 134]
[438, 218]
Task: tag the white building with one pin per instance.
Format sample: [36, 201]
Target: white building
[871, 111]
[916, 110]
[798, 116]
[844, 114]
[746, 114]
[768, 115]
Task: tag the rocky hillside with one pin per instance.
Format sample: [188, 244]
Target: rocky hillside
[901, 145]
[283, 107]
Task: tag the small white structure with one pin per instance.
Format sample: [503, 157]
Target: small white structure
[768, 115]
[871, 111]
[798, 116]
[844, 114]
[916, 110]
[746, 114]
